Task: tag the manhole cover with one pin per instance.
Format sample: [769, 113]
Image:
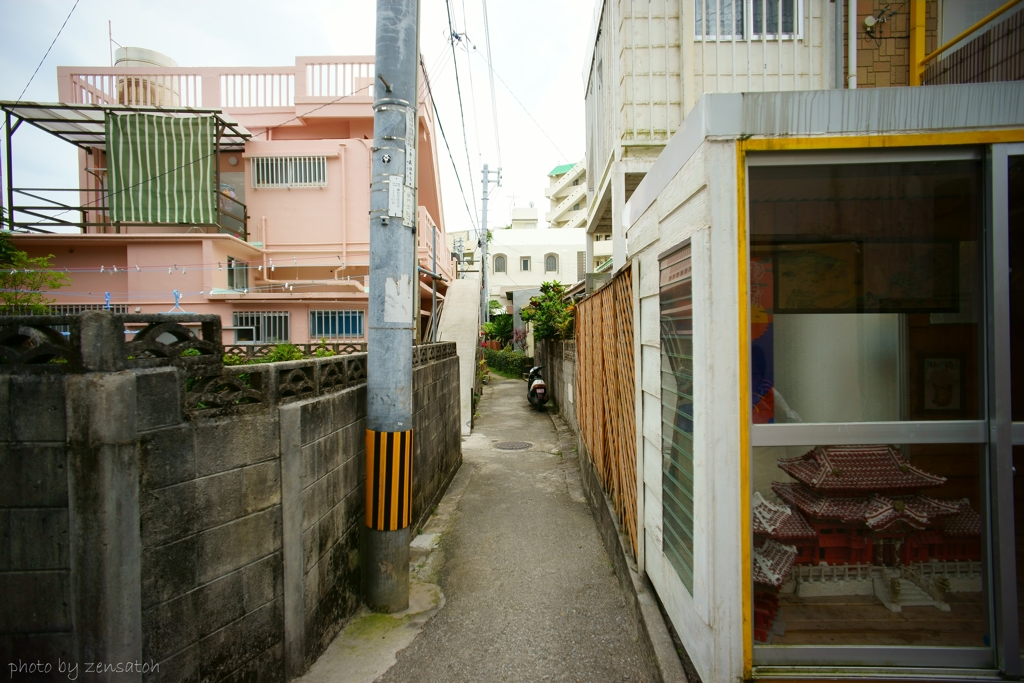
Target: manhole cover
[513, 445]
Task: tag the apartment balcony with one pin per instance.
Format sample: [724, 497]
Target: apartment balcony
[143, 203]
[577, 196]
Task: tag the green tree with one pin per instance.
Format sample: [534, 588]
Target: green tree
[499, 328]
[6, 246]
[23, 280]
[550, 313]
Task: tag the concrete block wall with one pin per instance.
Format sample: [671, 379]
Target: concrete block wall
[559, 361]
[437, 441]
[210, 541]
[210, 521]
[332, 454]
[35, 563]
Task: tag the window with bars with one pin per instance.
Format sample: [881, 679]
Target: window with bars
[551, 263]
[261, 327]
[499, 263]
[238, 274]
[676, 306]
[292, 171]
[743, 19]
[335, 324]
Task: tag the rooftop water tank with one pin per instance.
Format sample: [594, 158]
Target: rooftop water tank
[150, 90]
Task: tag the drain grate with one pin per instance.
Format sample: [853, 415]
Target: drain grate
[513, 445]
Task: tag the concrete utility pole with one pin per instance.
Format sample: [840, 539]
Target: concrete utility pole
[485, 298]
[394, 308]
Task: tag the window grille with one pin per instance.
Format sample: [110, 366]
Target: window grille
[238, 274]
[550, 263]
[676, 304]
[742, 19]
[525, 264]
[267, 327]
[271, 172]
[333, 324]
[75, 309]
[499, 264]
[581, 265]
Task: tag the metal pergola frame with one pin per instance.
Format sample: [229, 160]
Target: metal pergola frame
[85, 127]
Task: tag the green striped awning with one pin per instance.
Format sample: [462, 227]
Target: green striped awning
[161, 168]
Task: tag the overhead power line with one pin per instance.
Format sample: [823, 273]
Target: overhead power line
[490, 71]
[47, 54]
[523, 106]
[462, 114]
[437, 116]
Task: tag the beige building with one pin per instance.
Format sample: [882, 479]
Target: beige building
[567, 191]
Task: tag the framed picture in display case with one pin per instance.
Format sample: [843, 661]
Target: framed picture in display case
[942, 384]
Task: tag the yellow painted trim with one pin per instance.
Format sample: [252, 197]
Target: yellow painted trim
[743, 263]
[917, 38]
[981, 137]
[746, 533]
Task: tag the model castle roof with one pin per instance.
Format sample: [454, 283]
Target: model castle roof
[779, 521]
[877, 511]
[966, 522]
[851, 469]
[772, 562]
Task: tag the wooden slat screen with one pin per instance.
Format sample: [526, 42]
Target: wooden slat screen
[606, 395]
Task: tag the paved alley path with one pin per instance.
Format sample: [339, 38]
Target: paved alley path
[530, 592]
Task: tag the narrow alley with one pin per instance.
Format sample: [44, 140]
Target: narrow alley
[530, 592]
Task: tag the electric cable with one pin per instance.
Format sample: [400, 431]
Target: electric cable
[523, 106]
[440, 126]
[494, 101]
[458, 88]
[47, 53]
[265, 131]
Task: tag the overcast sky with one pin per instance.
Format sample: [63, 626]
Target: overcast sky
[538, 48]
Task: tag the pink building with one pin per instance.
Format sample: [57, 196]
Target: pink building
[284, 253]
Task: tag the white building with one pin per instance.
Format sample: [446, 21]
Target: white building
[567, 191]
[649, 62]
[526, 258]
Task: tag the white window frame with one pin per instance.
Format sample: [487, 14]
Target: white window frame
[262, 322]
[546, 257]
[504, 264]
[748, 33]
[287, 172]
[238, 273]
[527, 261]
[354, 317]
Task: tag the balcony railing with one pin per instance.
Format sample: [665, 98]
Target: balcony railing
[996, 55]
[47, 209]
[312, 79]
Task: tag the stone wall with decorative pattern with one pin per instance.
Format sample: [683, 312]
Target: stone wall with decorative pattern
[246, 483]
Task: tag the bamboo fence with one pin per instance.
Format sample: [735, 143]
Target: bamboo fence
[605, 406]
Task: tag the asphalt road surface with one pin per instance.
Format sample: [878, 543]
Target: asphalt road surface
[530, 592]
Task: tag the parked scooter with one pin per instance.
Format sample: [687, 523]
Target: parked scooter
[536, 389]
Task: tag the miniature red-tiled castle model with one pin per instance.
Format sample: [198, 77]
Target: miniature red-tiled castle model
[854, 505]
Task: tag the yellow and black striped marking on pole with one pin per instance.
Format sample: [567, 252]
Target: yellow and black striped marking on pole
[388, 480]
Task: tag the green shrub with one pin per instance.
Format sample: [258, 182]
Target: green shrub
[284, 352]
[505, 363]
